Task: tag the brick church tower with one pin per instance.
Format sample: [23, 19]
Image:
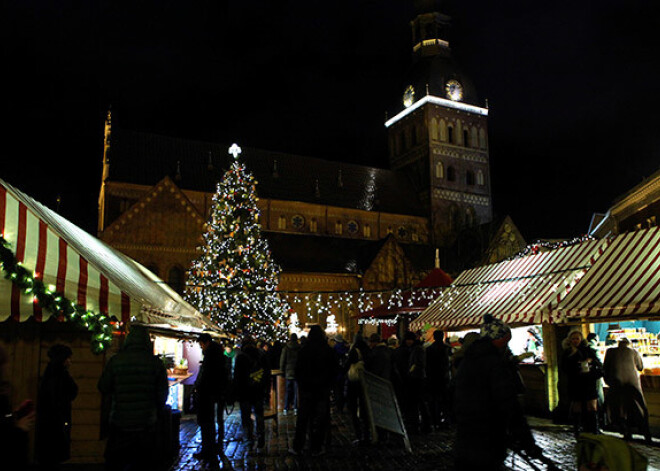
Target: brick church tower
[439, 135]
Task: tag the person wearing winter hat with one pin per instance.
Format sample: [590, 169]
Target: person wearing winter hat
[489, 418]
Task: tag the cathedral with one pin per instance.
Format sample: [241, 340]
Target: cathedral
[333, 227]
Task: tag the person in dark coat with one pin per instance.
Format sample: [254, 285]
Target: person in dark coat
[583, 370]
[341, 349]
[136, 381]
[211, 393]
[625, 402]
[57, 390]
[252, 381]
[288, 361]
[316, 370]
[359, 351]
[14, 425]
[489, 418]
[379, 360]
[437, 379]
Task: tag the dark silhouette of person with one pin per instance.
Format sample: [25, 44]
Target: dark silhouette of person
[57, 390]
[211, 391]
[136, 381]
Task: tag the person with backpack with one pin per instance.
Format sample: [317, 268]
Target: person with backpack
[252, 381]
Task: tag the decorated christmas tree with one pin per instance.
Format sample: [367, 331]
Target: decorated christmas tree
[234, 279]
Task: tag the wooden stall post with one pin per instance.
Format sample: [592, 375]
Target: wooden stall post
[551, 353]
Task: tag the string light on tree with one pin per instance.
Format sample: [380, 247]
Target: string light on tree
[234, 280]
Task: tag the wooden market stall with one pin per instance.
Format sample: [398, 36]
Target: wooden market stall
[62, 285]
[624, 285]
[521, 292]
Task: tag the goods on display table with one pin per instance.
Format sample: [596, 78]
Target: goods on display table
[171, 351]
[646, 343]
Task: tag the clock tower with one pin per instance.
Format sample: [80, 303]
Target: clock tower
[438, 136]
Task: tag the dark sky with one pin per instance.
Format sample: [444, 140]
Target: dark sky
[572, 88]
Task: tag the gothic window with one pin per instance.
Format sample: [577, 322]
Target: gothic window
[482, 138]
[298, 221]
[352, 227]
[451, 174]
[367, 230]
[450, 134]
[480, 178]
[469, 177]
[439, 170]
[474, 137]
[313, 226]
[175, 278]
[466, 138]
[339, 228]
[434, 129]
[281, 222]
[470, 217]
[402, 232]
[443, 130]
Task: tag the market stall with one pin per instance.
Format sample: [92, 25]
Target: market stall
[522, 292]
[409, 305]
[620, 296]
[62, 285]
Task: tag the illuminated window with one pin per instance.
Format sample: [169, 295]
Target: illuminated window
[482, 138]
[439, 170]
[443, 130]
[313, 226]
[434, 129]
[480, 178]
[281, 222]
[367, 230]
[339, 228]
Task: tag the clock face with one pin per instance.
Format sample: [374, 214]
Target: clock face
[409, 96]
[454, 90]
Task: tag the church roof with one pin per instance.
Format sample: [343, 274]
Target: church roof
[143, 158]
[321, 254]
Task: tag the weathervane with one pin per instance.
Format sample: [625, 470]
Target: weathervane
[235, 150]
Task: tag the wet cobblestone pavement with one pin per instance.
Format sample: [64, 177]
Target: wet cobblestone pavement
[430, 452]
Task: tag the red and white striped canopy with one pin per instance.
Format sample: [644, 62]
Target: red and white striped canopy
[86, 270]
[520, 291]
[625, 281]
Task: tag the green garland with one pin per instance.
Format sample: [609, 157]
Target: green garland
[98, 324]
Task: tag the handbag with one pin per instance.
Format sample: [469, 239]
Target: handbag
[356, 369]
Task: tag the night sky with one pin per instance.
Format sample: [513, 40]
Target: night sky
[572, 89]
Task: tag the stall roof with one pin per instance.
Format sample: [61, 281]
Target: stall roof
[624, 282]
[518, 291]
[83, 268]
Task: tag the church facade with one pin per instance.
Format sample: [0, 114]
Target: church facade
[333, 227]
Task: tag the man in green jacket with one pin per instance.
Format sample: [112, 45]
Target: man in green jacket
[136, 381]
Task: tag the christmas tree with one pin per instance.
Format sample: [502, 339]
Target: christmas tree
[234, 279]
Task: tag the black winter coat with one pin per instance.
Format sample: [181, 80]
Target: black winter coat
[213, 377]
[316, 367]
[581, 386]
[486, 404]
[437, 365]
[56, 392]
[251, 375]
[137, 382]
[289, 358]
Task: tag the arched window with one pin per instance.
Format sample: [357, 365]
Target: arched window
[469, 177]
[339, 228]
[450, 134]
[313, 225]
[482, 138]
[439, 170]
[443, 130]
[281, 222]
[434, 129]
[466, 138]
[470, 217]
[451, 174]
[367, 230]
[175, 278]
[480, 178]
[474, 137]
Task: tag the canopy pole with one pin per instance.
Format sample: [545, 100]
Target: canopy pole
[551, 354]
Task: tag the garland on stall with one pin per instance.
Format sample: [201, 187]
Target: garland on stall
[545, 245]
[99, 325]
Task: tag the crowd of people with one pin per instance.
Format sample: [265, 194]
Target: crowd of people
[475, 388]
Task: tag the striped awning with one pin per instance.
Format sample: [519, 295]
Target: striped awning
[520, 291]
[83, 268]
[625, 281]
